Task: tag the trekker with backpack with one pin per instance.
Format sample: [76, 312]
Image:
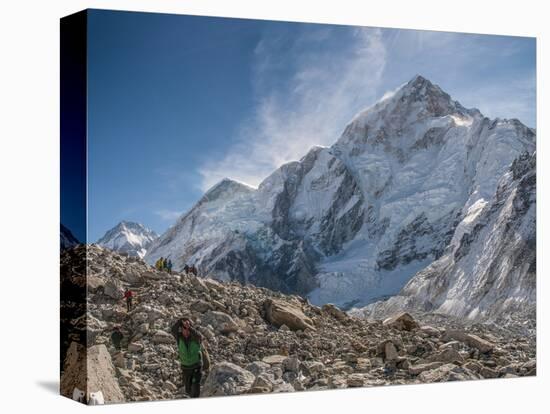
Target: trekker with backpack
[116, 337]
[128, 295]
[192, 354]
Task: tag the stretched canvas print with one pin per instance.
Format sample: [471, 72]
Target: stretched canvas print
[254, 206]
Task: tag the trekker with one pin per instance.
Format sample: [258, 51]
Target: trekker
[158, 264]
[186, 268]
[169, 266]
[128, 295]
[116, 337]
[193, 355]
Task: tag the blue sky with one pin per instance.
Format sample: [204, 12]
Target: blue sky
[176, 103]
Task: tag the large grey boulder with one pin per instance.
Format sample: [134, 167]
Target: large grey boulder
[334, 311]
[226, 378]
[102, 375]
[419, 368]
[401, 321]
[472, 340]
[446, 355]
[280, 313]
[91, 370]
[113, 288]
[447, 372]
[220, 321]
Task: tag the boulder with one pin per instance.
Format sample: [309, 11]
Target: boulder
[401, 321]
[334, 311]
[312, 367]
[132, 277]
[94, 283]
[472, 340]
[438, 374]
[430, 330]
[102, 375]
[418, 369]
[447, 372]
[113, 288]
[220, 321]
[282, 313]
[213, 285]
[198, 284]
[446, 355]
[226, 378]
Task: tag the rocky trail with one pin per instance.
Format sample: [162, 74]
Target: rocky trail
[261, 341]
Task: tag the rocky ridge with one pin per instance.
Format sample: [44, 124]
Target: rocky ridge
[262, 341]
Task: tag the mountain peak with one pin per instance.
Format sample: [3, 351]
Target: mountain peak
[419, 79]
[128, 237]
[415, 100]
[125, 224]
[223, 187]
[422, 88]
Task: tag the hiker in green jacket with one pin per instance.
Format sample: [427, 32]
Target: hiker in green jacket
[192, 355]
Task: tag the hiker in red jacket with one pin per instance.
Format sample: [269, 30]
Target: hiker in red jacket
[128, 295]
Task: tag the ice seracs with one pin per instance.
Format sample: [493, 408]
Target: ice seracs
[128, 237]
[352, 223]
[488, 271]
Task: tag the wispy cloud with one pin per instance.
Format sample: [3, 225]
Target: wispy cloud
[328, 85]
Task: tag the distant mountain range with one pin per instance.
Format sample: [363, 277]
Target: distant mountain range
[421, 204]
[410, 180]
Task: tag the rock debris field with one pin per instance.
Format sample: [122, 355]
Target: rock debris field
[259, 341]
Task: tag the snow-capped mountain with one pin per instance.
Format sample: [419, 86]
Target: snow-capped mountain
[489, 268]
[67, 239]
[128, 237]
[352, 223]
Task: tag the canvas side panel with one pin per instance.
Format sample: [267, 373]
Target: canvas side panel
[73, 235]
